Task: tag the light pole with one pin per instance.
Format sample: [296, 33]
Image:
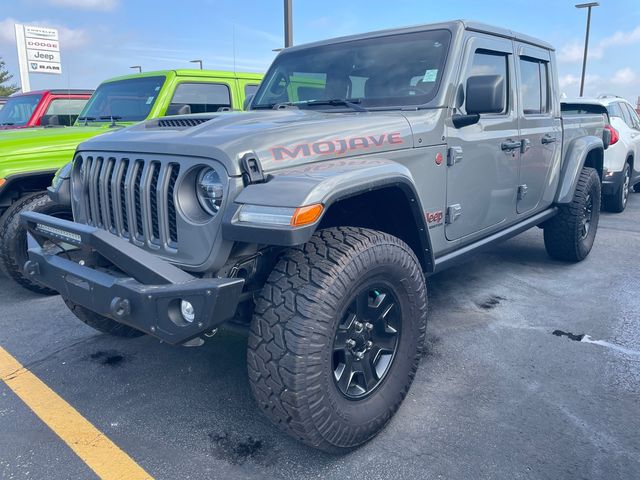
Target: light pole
[197, 61]
[288, 23]
[588, 6]
[138, 67]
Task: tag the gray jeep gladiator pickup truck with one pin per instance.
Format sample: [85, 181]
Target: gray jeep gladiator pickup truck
[363, 165]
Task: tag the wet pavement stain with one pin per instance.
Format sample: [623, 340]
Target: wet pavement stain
[492, 302]
[569, 335]
[108, 357]
[240, 450]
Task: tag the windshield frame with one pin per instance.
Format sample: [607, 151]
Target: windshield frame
[11, 101]
[371, 103]
[82, 118]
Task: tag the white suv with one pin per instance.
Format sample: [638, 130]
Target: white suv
[622, 158]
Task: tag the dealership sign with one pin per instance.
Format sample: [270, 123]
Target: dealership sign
[38, 52]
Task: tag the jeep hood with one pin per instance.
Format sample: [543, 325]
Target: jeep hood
[36, 141]
[279, 138]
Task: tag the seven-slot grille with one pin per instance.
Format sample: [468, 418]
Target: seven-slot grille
[131, 198]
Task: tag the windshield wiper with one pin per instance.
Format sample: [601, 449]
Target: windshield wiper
[353, 104]
[86, 120]
[7, 123]
[113, 119]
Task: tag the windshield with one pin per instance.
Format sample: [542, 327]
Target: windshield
[123, 100]
[18, 110]
[391, 71]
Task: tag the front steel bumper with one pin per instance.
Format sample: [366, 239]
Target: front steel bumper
[142, 290]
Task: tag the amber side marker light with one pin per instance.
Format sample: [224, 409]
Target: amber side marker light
[2, 181]
[306, 215]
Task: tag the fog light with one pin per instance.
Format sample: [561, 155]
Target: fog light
[188, 313]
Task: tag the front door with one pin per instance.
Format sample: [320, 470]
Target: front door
[540, 126]
[483, 158]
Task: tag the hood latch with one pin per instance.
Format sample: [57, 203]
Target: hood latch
[251, 169]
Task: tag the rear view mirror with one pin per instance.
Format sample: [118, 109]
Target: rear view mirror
[247, 102]
[485, 94]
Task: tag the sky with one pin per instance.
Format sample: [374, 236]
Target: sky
[100, 39]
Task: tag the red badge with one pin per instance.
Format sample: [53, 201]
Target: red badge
[438, 158]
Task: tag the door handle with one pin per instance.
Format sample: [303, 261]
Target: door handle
[548, 139]
[508, 145]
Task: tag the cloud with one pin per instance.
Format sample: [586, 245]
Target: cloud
[624, 76]
[103, 5]
[573, 51]
[70, 38]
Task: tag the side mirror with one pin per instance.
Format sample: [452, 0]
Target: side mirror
[49, 121]
[247, 102]
[485, 94]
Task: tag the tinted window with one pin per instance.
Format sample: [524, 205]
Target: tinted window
[376, 71]
[18, 110]
[199, 98]
[627, 114]
[534, 86]
[250, 90]
[634, 116]
[615, 110]
[131, 100]
[63, 111]
[491, 63]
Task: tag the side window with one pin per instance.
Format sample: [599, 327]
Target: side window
[634, 117]
[487, 62]
[627, 114]
[63, 111]
[534, 86]
[250, 89]
[199, 98]
[615, 110]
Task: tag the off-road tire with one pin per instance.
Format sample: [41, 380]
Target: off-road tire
[291, 339]
[564, 236]
[13, 237]
[617, 202]
[101, 323]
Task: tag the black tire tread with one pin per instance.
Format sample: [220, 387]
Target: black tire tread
[101, 323]
[560, 232]
[293, 297]
[9, 226]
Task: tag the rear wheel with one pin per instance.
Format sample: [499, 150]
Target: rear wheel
[101, 323]
[337, 336]
[13, 237]
[569, 236]
[617, 203]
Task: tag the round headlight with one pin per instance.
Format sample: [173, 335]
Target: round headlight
[210, 190]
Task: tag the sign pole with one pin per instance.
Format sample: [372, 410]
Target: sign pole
[22, 59]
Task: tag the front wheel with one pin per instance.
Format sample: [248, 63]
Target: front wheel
[337, 336]
[101, 323]
[569, 236]
[13, 237]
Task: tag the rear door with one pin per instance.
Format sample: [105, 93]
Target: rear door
[540, 126]
[483, 158]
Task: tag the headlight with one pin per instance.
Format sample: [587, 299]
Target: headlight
[210, 190]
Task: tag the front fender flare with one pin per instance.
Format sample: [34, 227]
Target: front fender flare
[327, 183]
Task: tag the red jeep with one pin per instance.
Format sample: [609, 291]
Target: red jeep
[42, 108]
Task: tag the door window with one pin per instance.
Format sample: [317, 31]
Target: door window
[63, 111]
[615, 110]
[534, 86]
[487, 62]
[250, 89]
[199, 98]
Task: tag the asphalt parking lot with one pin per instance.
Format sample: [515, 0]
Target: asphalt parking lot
[504, 391]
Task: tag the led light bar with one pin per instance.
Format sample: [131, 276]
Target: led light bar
[58, 233]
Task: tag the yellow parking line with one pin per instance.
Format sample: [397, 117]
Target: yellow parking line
[90, 444]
